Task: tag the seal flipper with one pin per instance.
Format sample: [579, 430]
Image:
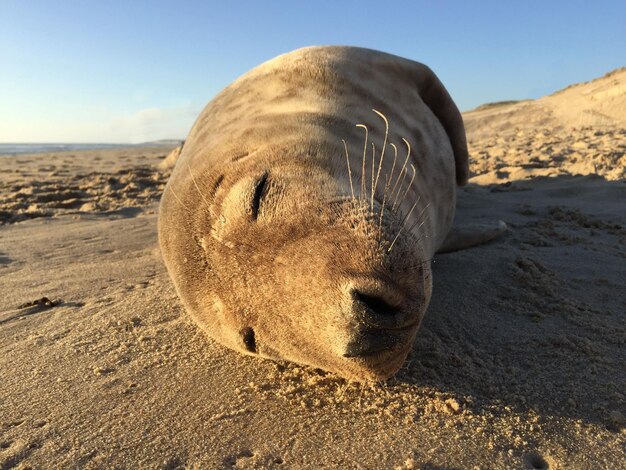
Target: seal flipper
[468, 235]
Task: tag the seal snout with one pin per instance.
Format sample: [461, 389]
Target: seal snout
[375, 306]
[378, 305]
[381, 320]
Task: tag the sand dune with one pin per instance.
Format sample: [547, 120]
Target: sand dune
[597, 103]
[578, 130]
[520, 363]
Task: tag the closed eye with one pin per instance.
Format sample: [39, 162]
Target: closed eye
[259, 192]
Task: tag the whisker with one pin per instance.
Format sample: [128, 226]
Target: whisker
[401, 227]
[403, 170]
[196, 185]
[388, 180]
[349, 171]
[408, 187]
[373, 165]
[177, 198]
[382, 211]
[363, 193]
[395, 157]
[418, 226]
[382, 152]
[418, 219]
[393, 206]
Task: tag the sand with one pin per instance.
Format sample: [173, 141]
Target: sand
[578, 130]
[520, 362]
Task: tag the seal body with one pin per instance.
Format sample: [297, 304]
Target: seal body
[308, 200]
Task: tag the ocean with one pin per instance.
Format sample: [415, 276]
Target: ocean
[16, 149]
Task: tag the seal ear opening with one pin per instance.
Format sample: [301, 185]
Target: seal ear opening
[436, 97]
[249, 341]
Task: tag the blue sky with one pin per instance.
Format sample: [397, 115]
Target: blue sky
[131, 71]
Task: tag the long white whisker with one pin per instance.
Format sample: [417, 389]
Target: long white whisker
[408, 187]
[388, 179]
[382, 152]
[177, 198]
[418, 226]
[395, 157]
[393, 206]
[363, 192]
[401, 227]
[196, 185]
[349, 171]
[419, 217]
[373, 165]
[382, 211]
[402, 171]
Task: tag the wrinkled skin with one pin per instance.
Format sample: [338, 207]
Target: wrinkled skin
[276, 249]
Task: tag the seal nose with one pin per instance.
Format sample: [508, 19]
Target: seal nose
[375, 305]
[376, 308]
[380, 319]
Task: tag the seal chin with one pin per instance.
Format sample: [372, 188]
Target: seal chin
[375, 366]
[375, 342]
[377, 354]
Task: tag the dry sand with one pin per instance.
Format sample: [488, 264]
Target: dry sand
[578, 130]
[520, 363]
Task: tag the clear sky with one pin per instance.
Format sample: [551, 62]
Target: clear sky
[132, 71]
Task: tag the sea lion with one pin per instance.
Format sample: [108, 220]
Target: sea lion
[308, 200]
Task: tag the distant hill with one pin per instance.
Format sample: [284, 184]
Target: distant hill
[162, 143]
[597, 103]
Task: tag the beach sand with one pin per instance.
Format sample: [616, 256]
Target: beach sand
[520, 362]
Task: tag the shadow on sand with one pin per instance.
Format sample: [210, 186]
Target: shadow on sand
[534, 320]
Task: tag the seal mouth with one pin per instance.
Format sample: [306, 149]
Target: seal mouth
[355, 352]
[378, 342]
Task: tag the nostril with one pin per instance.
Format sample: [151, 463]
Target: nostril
[375, 305]
[248, 337]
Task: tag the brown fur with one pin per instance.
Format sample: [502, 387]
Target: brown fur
[267, 247]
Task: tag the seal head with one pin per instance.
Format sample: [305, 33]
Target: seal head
[292, 246]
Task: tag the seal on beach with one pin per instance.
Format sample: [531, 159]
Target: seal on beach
[308, 200]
